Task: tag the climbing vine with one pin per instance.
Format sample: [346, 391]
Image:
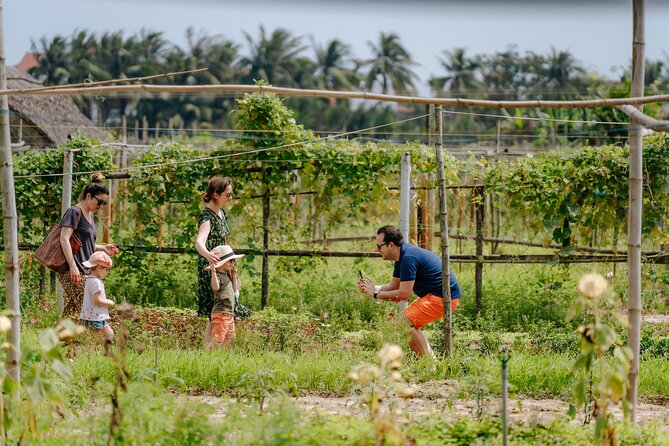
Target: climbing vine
[582, 194]
[38, 183]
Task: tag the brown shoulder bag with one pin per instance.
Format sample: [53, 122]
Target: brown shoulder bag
[50, 253]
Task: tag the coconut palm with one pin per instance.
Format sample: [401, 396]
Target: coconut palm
[562, 73]
[461, 77]
[272, 59]
[332, 70]
[53, 56]
[390, 65]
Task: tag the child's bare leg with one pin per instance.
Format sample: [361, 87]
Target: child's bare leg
[108, 333]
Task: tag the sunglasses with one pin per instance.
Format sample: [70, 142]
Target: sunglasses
[382, 244]
[101, 202]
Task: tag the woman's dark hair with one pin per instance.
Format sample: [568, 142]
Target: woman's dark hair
[391, 234]
[95, 187]
[217, 185]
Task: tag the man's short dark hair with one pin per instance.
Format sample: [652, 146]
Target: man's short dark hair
[391, 234]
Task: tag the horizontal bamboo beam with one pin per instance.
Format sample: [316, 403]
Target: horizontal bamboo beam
[485, 239]
[643, 119]
[658, 258]
[284, 91]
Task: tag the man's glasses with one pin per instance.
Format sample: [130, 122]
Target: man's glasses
[229, 195]
[101, 202]
[382, 244]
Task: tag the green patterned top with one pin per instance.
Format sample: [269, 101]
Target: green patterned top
[218, 235]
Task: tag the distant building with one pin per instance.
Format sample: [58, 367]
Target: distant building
[43, 121]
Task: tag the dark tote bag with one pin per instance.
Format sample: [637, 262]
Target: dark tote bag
[50, 253]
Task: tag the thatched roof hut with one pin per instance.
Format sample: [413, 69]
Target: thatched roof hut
[44, 121]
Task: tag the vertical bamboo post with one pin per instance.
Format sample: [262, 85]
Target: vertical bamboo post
[9, 221]
[424, 212]
[145, 130]
[443, 226]
[405, 192]
[431, 220]
[160, 215]
[107, 215]
[265, 239]
[480, 215]
[504, 358]
[157, 133]
[635, 197]
[137, 130]
[413, 217]
[124, 129]
[65, 203]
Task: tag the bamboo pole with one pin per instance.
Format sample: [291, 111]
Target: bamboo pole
[413, 221]
[145, 129]
[65, 203]
[284, 91]
[645, 120]
[265, 240]
[424, 213]
[635, 198]
[443, 223]
[160, 216]
[480, 214]
[656, 258]
[9, 221]
[53, 88]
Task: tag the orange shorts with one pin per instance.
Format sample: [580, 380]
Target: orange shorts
[222, 327]
[427, 309]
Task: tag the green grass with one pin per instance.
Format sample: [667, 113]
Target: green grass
[245, 375]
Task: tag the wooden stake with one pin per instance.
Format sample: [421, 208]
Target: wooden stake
[9, 222]
[443, 223]
[480, 214]
[635, 205]
[145, 130]
[265, 240]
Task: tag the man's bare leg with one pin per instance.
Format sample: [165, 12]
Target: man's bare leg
[419, 343]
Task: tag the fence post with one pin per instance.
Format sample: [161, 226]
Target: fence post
[443, 223]
[480, 216]
[405, 192]
[265, 239]
[504, 358]
[65, 203]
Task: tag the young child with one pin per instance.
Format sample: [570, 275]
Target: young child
[95, 309]
[225, 283]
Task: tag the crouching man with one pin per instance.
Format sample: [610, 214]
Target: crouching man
[416, 270]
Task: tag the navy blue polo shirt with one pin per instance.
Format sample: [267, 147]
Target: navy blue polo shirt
[424, 267]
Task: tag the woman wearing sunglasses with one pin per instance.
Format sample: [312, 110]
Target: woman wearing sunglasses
[212, 231]
[79, 220]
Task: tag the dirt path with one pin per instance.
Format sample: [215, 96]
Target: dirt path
[654, 318]
[525, 411]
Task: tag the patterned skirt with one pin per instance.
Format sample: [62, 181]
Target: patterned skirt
[73, 295]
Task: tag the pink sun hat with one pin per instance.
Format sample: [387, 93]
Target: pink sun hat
[99, 258]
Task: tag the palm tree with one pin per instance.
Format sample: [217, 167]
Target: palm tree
[331, 69]
[461, 74]
[389, 66]
[53, 56]
[505, 75]
[272, 59]
[562, 72]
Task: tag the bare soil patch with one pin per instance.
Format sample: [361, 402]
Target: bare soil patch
[522, 411]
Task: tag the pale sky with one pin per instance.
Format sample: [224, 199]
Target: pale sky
[597, 32]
